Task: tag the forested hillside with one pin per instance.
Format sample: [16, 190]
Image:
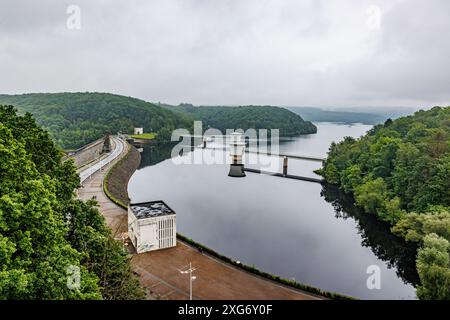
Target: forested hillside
[52, 246]
[75, 119]
[246, 117]
[400, 172]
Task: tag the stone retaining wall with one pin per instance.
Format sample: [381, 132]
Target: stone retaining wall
[88, 153]
[116, 180]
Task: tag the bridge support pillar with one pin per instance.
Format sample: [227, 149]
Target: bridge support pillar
[285, 166]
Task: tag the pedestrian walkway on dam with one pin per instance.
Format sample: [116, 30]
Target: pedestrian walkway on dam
[92, 187]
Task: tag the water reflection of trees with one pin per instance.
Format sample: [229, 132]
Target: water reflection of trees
[154, 154]
[376, 235]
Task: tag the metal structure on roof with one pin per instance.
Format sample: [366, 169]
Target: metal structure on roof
[150, 209]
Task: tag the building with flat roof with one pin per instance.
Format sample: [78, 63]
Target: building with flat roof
[151, 226]
[138, 130]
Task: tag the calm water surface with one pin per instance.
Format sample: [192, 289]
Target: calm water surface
[294, 229]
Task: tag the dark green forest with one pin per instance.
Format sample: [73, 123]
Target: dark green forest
[75, 119]
[52, 246]
[247, 117]
[399, 172]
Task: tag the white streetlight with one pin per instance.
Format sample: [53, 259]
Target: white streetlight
[191, 277]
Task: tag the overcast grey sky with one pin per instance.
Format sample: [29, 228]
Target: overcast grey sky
[278, 52]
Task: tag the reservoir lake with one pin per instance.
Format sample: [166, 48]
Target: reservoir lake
[305, 231]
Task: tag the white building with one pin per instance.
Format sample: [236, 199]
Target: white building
[138, 130]
[151, 226]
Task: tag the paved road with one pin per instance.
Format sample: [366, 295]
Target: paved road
[119, 146]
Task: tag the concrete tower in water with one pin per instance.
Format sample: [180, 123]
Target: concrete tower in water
[237, 147]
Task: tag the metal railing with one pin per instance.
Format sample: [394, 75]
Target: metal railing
[85, 174]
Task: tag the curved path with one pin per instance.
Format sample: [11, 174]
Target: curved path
[92, 187]
[159, 270]
[118, 149]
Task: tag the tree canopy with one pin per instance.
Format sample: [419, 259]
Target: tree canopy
[399, 171]
[75, 119]
[46, 235]
[248, 117]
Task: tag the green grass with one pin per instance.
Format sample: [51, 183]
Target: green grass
[146, 136]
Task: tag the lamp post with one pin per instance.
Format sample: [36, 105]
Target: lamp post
[191, 277]
[237, 147]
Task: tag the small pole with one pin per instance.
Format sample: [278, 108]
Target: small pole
[190, 278]
[204, 144]
[285, 166]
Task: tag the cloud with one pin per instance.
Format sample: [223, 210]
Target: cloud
[293, 52]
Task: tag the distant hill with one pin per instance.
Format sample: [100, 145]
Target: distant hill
[245, 117]
[320, 115]
[384, 112]
[75, 119]
[366, 115]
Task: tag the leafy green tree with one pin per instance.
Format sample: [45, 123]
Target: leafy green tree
[164, 135]
[404, 183]
[400, 172]
[40, 148]
[331, 172]
[391, 211]
[433, 266]
[371, 195]
[351, 178]
[34, 254]
[383, 153]
[102, 254]
[415, 226]
[44, 231]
